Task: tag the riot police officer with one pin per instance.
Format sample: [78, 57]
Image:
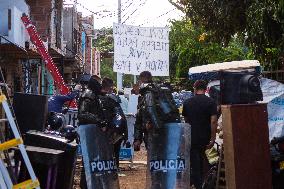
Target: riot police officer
[167, 139]
[89, 111]
[95, 138]
[149, 115]
[115, 115]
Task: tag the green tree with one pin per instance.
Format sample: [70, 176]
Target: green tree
[261, 22]
[107, 71]
[191, 46]
[104, 43]
[107, 68]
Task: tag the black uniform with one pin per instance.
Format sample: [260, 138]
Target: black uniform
[89, 111]
[158, 121]
[101, 110]
[118, 122]
[198, 111]
[155, 107]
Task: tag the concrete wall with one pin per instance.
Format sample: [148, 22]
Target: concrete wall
[56, 23]
[72, 32]
[17, 32]
[69, 22]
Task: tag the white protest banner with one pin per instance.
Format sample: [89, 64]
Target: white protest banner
[138, 49]
[273, 95]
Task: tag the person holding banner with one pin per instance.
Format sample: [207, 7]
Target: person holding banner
[95, 138]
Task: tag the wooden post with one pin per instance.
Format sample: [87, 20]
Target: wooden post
[246, 146]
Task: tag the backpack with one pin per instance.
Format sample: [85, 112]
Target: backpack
[165, 104]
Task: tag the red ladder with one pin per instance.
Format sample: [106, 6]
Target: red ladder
[51, 67]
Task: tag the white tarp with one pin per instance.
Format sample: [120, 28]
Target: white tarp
[273, 94]
[138, 49]
[229, 66]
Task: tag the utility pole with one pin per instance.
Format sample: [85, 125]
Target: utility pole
[91, 71]
[119, 75]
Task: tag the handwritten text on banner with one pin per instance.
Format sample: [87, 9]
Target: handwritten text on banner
[138, 49]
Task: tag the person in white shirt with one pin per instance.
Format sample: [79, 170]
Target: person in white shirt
[124, 102]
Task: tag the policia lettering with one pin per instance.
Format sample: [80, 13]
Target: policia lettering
[103, 165]
[168, 164]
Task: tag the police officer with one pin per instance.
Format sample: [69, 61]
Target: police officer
[158, 124]
[149, 115]
[114, 113]
[98, 108]
[89, 112]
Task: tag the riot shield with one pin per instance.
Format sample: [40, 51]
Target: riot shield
[169, 157]
[99, 162]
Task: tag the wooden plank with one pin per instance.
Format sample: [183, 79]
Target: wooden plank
[246, 146]
[228, 147]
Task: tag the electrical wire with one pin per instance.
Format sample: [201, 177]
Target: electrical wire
[98, 13]
[108, 15]
[127, 7]
[140, 6]
[112, 14]
[149, 21]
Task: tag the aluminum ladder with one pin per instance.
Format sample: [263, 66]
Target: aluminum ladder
[5, 179]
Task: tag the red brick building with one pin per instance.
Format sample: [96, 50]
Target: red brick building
[92, 56]
[23, 67]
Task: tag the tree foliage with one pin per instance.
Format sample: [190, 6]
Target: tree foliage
[191, 46]
[107, 71]
[261, 22]
[104, 41]
[107, 68]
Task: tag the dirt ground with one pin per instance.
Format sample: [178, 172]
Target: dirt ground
[129, 177]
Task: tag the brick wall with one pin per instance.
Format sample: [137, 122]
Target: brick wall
[89, 29]
[46, 15]
[40, 16]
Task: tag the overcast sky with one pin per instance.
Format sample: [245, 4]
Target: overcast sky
[134, 12]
